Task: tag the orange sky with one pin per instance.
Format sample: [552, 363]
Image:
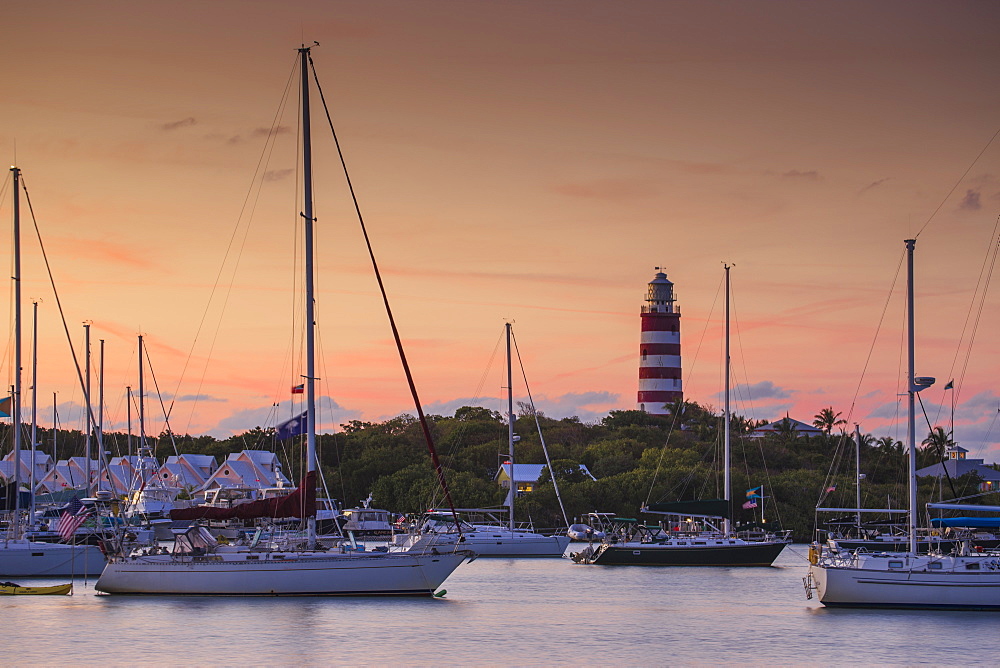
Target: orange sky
[531, 161]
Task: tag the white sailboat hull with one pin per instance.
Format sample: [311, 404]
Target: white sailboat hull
[496, 543]
[971, 582]
[24, 559]
[282, 574]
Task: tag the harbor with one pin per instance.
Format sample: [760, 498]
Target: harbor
[646, 333]
[509, 612]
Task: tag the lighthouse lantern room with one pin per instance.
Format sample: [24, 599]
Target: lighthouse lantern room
[660, 348]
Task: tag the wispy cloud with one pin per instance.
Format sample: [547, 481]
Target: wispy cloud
[107, 251]
[278, 174]
[331, 415]
[971, 201]
[764, 390]
[873, 184]
[608, 189]
[183, 123]
[811, 175]
[200, 397]
[265, 132]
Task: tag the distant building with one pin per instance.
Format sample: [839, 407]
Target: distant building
[42, 465]
[68, 474]
[958, 465]
[250, 469]
[526, 476]
[187, 471]
[776, 427]
[659, 348]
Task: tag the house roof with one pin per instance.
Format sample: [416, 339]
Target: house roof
[800, 427]
[531, 472]
[959, 467]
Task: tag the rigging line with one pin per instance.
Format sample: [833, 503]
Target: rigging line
[159, 397]
[988, 261]
[962, 178]
[979, 313]
[831, 471]
[743, 357]
[926, 442]
[264, 159]
[62, 314]
[458, 439]
[385, 300]
[534, 414]
[743, 437]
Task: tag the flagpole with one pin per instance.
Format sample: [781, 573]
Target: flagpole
[951, 386]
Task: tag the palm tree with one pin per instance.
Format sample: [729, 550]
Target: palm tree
[786, 429]
[889, 443]
[826, 419]
[937, 443]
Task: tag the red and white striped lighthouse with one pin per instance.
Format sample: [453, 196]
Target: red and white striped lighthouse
[660, 348]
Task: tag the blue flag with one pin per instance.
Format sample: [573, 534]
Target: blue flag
[290, 428]
[5, 409]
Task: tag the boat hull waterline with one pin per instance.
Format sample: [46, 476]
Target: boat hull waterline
[351, 574]
[911, 588]
[29, 559]
[644, 554]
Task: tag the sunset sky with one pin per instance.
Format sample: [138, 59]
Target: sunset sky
[513, 160]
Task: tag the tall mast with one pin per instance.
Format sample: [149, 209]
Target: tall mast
[512, 492]
[88, 408]
[16, 403]
[142, 403]
[307, 213]
[34, 404]
[128, 402]
[727, 483]
[100, 399]
[857, 471]
[911, 429]
[55, 430]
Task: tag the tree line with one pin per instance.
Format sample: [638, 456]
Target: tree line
[637, 458]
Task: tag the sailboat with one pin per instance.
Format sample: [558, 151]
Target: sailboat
[20, 557]
[691, 533]
[199, 565]
[491, 539]
[965, 579]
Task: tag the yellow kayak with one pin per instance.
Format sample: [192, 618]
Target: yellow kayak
[11, 589]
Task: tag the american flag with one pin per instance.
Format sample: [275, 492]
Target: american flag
[749, 504]
[73, 516]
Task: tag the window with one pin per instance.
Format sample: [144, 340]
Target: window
[895, 564]
[935, 566]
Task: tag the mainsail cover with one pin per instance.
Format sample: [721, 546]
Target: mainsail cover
[706, 508]
[300, 503]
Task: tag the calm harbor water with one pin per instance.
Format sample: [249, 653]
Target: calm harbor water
[504, 612]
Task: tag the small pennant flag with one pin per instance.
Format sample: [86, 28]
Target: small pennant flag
[299, 389]
[754, 493]
[749, 504]
[950, 385]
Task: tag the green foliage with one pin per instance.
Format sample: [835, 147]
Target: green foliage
[636, 457]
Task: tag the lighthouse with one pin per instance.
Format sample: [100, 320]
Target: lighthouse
[660, 348]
